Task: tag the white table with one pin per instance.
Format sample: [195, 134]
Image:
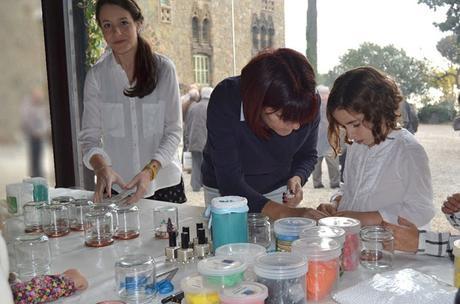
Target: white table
[97, 264]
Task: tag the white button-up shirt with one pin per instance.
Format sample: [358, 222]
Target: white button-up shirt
[129, 132]
[392, 178]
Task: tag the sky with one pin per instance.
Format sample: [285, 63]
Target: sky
[345, 24]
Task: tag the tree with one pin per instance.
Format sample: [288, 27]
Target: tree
[312, 34]
[452, 22]
[412, 75]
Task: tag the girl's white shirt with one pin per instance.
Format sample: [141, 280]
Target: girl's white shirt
[392, 178]
[129, 132]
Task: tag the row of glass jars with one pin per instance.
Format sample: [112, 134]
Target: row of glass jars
[101, 222]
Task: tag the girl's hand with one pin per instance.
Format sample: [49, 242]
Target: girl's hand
[451, 204]
[295, 193]
[80, 282]
[328, 208]
[313, 214]
[141, 182]
[405, 236]
[106, 177]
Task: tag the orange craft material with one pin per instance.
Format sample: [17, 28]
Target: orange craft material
[321, 278]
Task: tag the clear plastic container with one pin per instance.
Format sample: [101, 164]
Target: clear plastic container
[246, 293]
[33, 216]
[17, 195]
[323, 265]
[222, 271]
[165, 220]
[288, 230]
[128, 222]
[135, 278]
[335, 233]
[351, 247]
[229, 220]
[376, 248]
[284, 275]
[259, 229]
[196, 292]
[33, 255]
[247, 252]
[98, 228]
[78, 209]
[40, 191]
[55, 220]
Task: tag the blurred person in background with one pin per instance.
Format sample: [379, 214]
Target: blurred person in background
[35, 125]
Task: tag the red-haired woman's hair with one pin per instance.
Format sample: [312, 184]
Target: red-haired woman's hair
[282, 79]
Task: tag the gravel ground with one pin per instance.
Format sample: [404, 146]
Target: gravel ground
[442, 145]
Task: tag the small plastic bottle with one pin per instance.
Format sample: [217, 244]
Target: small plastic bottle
[456, 252]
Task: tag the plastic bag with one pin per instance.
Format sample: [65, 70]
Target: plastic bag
[398, 287]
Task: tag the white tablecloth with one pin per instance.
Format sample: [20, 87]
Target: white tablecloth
[97, 264]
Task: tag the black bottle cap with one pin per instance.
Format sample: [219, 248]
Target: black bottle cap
[185, 240]
[186, 229]
[201, 236]
[198, 226]
[172, 239]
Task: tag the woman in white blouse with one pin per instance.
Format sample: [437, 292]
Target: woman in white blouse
[132, 124]
[386, 170]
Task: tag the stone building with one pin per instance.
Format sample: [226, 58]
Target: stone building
[207, 40]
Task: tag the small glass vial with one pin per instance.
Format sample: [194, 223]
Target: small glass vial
[55, 220]
[376, 248]
[259, 229]
[33, 216]
[128, 222]
[135, 278]
[78, 209]
[456, 252]
[98, 228]
[165, 220]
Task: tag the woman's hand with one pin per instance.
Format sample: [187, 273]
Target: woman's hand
[295, 192]
[313, 214]
[106, 177]
[80, 281]
[141, 182]
[329, 208]
[451, 204]
[405, 236]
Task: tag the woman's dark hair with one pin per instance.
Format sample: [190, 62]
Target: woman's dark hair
[368, 91]
[145, 66]
[282, 79]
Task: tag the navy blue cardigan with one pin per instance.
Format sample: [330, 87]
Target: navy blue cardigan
[237, 162]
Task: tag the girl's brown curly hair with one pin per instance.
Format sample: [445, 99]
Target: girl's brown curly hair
[368, 91]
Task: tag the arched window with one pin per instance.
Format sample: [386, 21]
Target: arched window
[195, 29]
[263, 37]
[255, 37]
[205, 30]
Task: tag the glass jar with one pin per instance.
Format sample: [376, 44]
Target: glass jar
[33, 216]
[229, 220]
[259, 229]
[33, 255]
[165, 220]
[135, 278]
[78, 209]
[288, 230]
[128, 222]
[284, 275]
[351, 247]
[376, 248]
[62, 200]
[56, 220]
[323, 265]
[98, 228]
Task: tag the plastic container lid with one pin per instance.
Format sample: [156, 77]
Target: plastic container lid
[317, 248]
[280, 265]
[194, 284]
[351, 226]
[247, 252]
[221, 266]
[335, 233]
[456, 250]
[247, 292]
[292, 226]
[227, 204]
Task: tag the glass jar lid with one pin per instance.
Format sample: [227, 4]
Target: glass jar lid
[376, 234]
[62, 200]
